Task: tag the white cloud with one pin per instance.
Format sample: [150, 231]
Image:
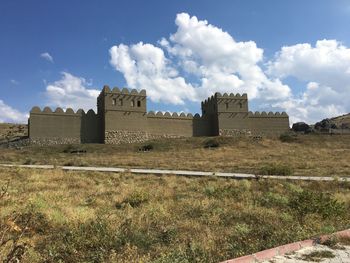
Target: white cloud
[326, 70]
[145, 67]
[9, 114]
[47, 56]
[14, 82]
[206, 55]
[200, 59]
[71, 92]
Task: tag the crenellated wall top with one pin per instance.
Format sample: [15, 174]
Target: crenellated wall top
[60, 111]
[231, 95]
[271, 114]
[124, 91]
[169, 115]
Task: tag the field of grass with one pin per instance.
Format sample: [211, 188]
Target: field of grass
[56, 216]
[314, 155]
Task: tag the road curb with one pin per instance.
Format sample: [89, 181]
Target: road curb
[237, 176]
[285, 249]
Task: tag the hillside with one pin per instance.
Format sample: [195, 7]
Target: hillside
[9, 131]
[342, 121]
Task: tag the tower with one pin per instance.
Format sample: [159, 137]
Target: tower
[121, 110]
[226, 113]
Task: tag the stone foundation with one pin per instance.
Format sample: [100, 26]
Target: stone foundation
[54, 141]
[118, 137]
[234, 132]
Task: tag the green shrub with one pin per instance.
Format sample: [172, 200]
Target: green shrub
[146, 147]
[309, 202]
[220, 192]
[276, 169]
[271, 199]
[288, 137]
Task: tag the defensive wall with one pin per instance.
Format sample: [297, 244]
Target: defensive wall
[122, 117]
[63, 127]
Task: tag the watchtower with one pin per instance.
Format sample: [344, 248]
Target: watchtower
[226, 112]
[122, 110]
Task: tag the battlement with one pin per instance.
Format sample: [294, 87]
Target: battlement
[59, 111]
[263, 114]
[169, 115]
[231, 95]
[123, 91]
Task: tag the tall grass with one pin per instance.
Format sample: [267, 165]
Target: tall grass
[98, 217]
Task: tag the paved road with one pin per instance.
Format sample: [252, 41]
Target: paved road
[179, 172]
[341, 255]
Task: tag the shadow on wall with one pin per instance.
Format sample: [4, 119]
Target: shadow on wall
[91, 129]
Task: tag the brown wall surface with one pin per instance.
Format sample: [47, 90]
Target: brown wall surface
[76, 127]
[119, 120]
[47, 124]
[269, 124]
[160, 124]
[233, 121]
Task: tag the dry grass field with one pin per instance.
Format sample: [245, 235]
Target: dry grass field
[315, 155]
[56, 216]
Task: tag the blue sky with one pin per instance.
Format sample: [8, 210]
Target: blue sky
[287, 55]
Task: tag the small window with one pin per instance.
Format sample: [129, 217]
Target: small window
[132, 103]
[138, 103]
[226, 105]
[120, 102]
[240, 105]
[114, 101]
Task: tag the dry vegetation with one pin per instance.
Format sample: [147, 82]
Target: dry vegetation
[12, 131]
[315, 155]
[56, 216]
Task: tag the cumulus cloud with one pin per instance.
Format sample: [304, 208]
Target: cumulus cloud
[145, 67]
[71, 92]
[47, 56]
[208, 58]
[325, 68]
[200, 59]
[9, 114]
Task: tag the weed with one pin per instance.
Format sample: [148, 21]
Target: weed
[134, 200]
[288, 137]
[276, 169]
[271, 199]
[317, 256]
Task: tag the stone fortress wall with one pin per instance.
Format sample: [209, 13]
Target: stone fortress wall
[122, 117]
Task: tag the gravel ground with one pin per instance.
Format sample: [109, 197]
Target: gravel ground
[318, 253]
